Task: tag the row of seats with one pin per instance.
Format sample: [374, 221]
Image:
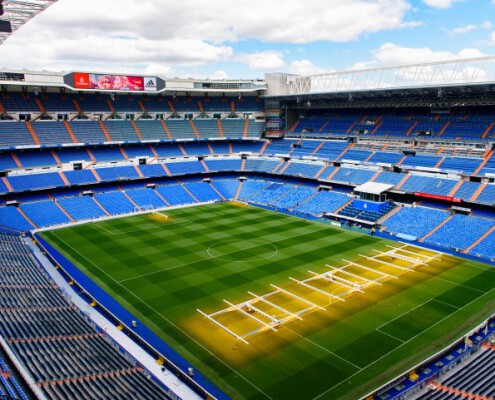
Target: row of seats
[90, 103]
[460, 231]
[328, 150]
[9, 387]
[472, 380]
[465, 123]
[50, 158]
[366, 215]
[52, 133]
[440, 228]
[336, 151]
[65, 356]
[483, 193]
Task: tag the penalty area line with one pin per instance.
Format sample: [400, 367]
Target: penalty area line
[388, 334]
[324, 348]
[402, 344]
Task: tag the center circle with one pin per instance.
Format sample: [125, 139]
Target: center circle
[245, 250]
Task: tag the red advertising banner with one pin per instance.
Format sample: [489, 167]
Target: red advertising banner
[437, 197]
[108, 82]
[81, 81]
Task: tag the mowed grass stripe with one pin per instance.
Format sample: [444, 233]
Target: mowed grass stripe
[417, 320]
[258, 251]
[281, 365]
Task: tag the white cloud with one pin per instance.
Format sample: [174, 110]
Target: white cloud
[340, 21]
[390, 54]
[486, 25]
[159, 35]
[492, 37]
[464, 29]
[439, 3]
[306, 67]
[469, 28]
[264, 60]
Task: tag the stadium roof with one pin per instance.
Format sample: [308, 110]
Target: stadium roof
[461, 78]
[18, 12]
[373, 188]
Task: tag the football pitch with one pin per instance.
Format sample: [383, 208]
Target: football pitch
[368, 314]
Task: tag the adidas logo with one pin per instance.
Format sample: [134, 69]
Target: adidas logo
[150, 83]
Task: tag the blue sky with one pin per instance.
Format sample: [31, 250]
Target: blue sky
[244, 39]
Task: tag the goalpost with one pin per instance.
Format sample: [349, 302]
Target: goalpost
[152, 212]
[158, 216]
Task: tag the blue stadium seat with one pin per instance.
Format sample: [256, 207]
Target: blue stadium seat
[152, 170]
[185, 167]
[224, 164]
[417, 221]
[117, 173]
[484, 249]
[44, 213]
[47, 180]
[353, 175]
[81, 207]
[146, 197]
[203, 191]
[391, 178]
[228, 187]
[152, 130]
[487, 195]
[51, 132]
[121, 131]
[323, 202]
[426, 184]
[88, 131]
[175, 195]
[247, 147]
[302, 169]
[271, 193]
[294, 197]
[80, 177]
[460, 232]
[12, 218]
[115, 202]
[250, 188]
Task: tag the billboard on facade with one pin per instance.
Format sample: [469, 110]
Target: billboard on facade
[108, 82]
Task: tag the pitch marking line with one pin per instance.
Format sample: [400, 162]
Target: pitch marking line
[195, 262]
[447, 304]
[324, 348]
[166, 319]
[452, 282]
[414, 337]
[150, 228]
[388, 334]
[261, 243]
[124, 232]
[404, 313]
[210, 257]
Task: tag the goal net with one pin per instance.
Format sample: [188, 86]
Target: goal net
[147, 207]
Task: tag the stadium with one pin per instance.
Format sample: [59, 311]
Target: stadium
[318, 236]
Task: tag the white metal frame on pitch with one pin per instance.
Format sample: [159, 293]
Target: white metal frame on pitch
[248, 308]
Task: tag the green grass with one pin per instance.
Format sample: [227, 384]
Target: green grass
[163, 271]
